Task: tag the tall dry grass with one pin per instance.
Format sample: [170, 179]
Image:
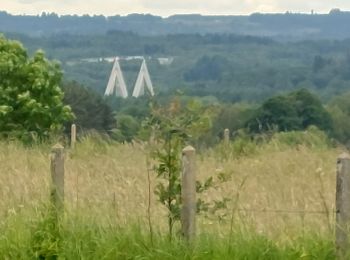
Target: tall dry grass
[278, 190]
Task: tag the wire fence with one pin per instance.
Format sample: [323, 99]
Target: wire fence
[188, 192]
[287, 211]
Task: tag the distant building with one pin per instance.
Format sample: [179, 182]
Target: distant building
[165, 61]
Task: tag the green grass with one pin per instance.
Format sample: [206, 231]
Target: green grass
[83, 238]
[106, 200]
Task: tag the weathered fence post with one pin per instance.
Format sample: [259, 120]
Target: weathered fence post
[343, 206]
[73, 136]
[57, 176]
[152, 136]
[188, 193]
[226, 136]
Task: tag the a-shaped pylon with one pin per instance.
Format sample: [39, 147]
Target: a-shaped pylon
[116, 81]
[143, 79]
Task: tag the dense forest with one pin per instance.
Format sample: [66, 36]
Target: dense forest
[227, 67]
[258, 84]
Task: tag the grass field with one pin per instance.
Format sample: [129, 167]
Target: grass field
[281, 204]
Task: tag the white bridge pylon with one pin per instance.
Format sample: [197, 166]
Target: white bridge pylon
[116, 81]
[143, 79]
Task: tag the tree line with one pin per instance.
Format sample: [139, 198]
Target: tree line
[230, 68]
[36, 103]
[292, 26]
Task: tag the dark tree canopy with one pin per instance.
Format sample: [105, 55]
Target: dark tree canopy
[207, 68]
[89, 108]
[339, 108]
[295, 111]
[310, 110]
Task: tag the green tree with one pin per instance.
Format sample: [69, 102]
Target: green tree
[319, 63]
[207, 68]
[310, 110]
[278, 112]
[127, 128]
[30, 97]
[339, 108]
[231, 116]
[90, 109]
[173, 127]
[294, 111]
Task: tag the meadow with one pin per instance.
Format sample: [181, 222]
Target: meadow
[280, 202]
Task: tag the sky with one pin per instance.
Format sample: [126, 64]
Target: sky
[169, 7]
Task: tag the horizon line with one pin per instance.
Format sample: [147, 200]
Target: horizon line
[311, 12]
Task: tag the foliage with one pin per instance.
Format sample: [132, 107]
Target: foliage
[295, 111]
[311, 111]
[130, 112]
[138, 108]
[90, 110]
[230, 116]
[241, 145]
[320, 63]
[339, 108]
[312, 137]
[230, 67]
[30, 97]
[173, 127]
[127, 128]
[277, 111]
[245, 146]
[207, 68]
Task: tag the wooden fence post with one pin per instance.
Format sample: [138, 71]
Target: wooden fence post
[57, 176]
[73, 136]
[152, 136]
[188, 193]
[343, 206]
[226, 136]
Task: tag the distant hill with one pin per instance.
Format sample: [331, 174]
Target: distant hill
[229, 67]
[231, 58]
[288, 26]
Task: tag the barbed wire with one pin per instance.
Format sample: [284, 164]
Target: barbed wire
[288, 211]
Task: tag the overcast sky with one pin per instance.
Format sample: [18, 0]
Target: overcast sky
[169, 7]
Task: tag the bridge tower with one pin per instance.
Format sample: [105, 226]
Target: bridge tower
[143, 79]
[116, 82]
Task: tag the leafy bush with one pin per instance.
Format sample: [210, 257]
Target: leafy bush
[312, 137]
[30, 97]
[127, 128]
